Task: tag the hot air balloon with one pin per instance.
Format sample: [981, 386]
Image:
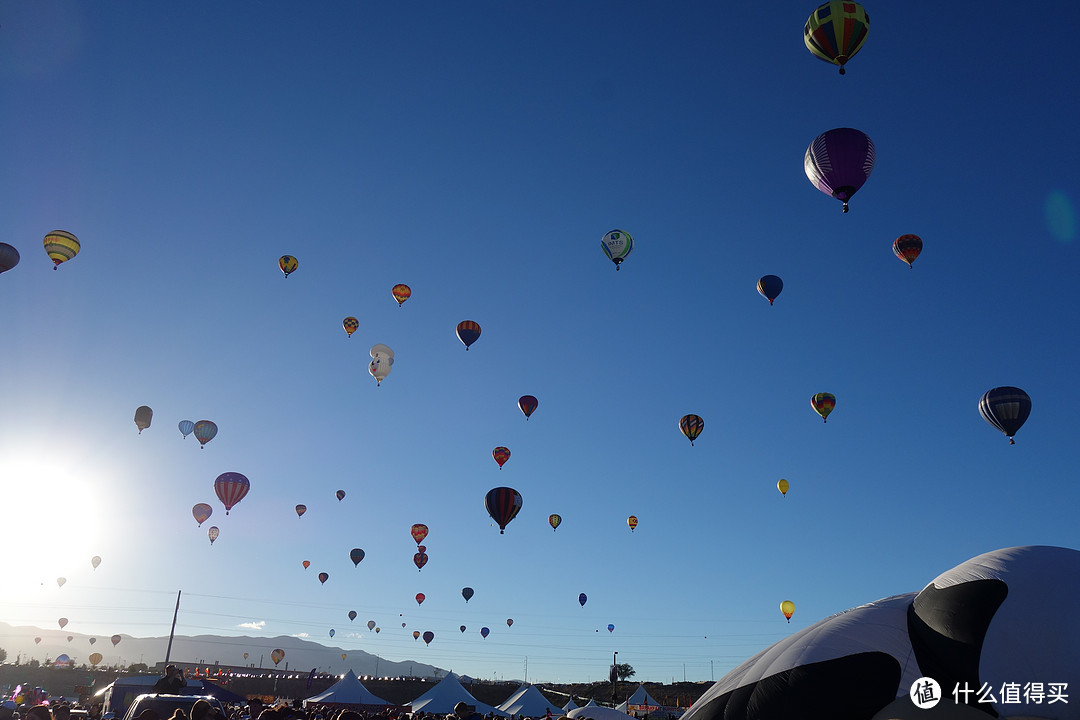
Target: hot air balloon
[691, 426]
[502, 504]
[245, 656]
[610, 627]
[420, 597]
[823, 404]
[509, 622]
[231, 487]
[582, 599]
[332, 632]
[356, 555]
[370, 624]
[186, 427]
[143, 416]
[527, 404]
[378, 630]
[382, 361]
[277, 655]
[213, 534]
[415, 634]
[788, 608]
[770, 286]
[419, 532]
[428, 637]
[401, 293]
[554, 521]
[839, 161]
[61, 246]
[501, 455]
[205, 430]
[907, 248]
[9, 257]
[115, 639]
[37, 640]
[632, 522]
[201, 511]
[462, 628]
[288, 264]
[300, 510]
[484, 632]
[836, 31]
[1006, 408]
[70, 638]
[467, 593]
[60, 581]
[340, 495]
[93, 640]
[783, 486]
[420, 560]
[617, 245]
[352, 615]
[350, 324]
[95, 658]
[344, 655]
[95, 561]
[62, 622]
[306, 564]
[323, 577]
[468, 332]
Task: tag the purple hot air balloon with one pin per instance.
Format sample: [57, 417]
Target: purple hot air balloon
[839, 161]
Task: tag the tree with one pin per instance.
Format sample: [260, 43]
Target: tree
[624, 671]
[3, 655]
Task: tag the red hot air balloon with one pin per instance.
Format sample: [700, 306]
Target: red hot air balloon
[839, 161]
[501, 455]
[528, 404]
[323, 577]
[468, 332]
[420, 598]
[231, 487]
[419, 532]
[907, 248]
[420, 560]
[428, 637]
[503, 505]
[401, 293]
[306, 564]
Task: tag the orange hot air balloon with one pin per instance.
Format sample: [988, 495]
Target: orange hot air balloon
[632, 522]
[419, 532]
[306, 564]
[344, 655]
[350, 324]
[415, 634]
[788, 608]
[401, 293]
[420, 598]
[501, 455]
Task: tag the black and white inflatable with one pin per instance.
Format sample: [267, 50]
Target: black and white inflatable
[1004, 622]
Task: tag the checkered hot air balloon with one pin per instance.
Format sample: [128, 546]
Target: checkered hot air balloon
[836, 31]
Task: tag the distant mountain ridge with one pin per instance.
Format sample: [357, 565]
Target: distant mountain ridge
[300, 654]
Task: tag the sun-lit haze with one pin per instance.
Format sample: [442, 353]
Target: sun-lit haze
[478, 152]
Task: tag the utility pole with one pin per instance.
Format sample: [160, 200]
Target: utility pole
[172, 630]
[614, 675]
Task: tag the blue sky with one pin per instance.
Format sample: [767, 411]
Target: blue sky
[478, 152]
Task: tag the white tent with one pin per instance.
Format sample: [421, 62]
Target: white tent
[528, 701]
[639, 698]
[346, 691]
[449, 692]
[569, 706]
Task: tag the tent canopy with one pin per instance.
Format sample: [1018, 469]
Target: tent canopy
[449, 692]
[348, 691]
[528, 701]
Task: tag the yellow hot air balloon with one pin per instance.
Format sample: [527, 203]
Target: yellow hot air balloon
[836, 31]
[277, 655]
[783, 486]
[788, 608]
[95, 658]
[344, 655]
[288, 264]
[632, 522]
[61, 246]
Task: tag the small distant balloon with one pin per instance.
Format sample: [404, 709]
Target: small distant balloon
[245, 656]
[428, 637]
[484, 632]
[788, 609]
[9, 257]
[610, 627]
[617, 245]
[61, 246]
[582, 599]
[783, 486]
[467, 593]
[468, 332]
[352, 615]
[306, 564]
[401, 293]
[332, 632]
[201, 511]
[205, 431]
[419, 531]
[769, 286]
[323, 577]
[415, 634]
[344, 655]
[340, 495]
[186, 427]
[213, 533]
[277, 655]
[509, 622]
[528, 404]
[370, 624]
[143, 416]
[300, 510]
[60, 581]
[62, 622]
[823, 404]
[420, 597]
[95, 658]
[288, 264]
[420, 560]
[115, 639]
[95, 561]
[907, 248]
[1006, 408]
[378, 630]
[93, 640]
[37, 640]
[554, 521]
[350, 324]
[70, 638]
[462, 628]
[501, 455]
[356, 555]
[691, 426]
[632, 522]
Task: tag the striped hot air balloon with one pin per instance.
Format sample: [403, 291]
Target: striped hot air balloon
[61, 246]
[231, 487]
[503, 505]
[836, 31]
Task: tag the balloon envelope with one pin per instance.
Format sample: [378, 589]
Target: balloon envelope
[823, 404]
[9, 257]
[528, 404]
[201, 511]
[501, 455]
[484, 632]
[350, 324]
[95, 561]
[332, 632]
[691, 426]
[95, 658]
[205, 430]
[420, 560]
[370, 624]
[839, 161]
[288, 264]
[323, 577]
[420, 597]
[770, 286]
[352, 615]
[61, 246]
[468, 332]
[788, 609]
[836, 31]
[462, 628]
[186, 427]
[467, 593]
[617, 245]
[401, 293]
[60, 581]
[213, 533]
[356, 555]
[62, 622]
[907, 248]
[783, 486]
[582, 599]
[415, 634]
[428, 637]
[143, 416]
[509, 622]
[306, 564]
[231, 488]
[503, 505]
[115, 639]
[300, 510]
[632, 522]
[277, 655]
[554, 521]
[340, 495]
[419, 532]
[93, 640]
[610, 628]
[1006, 408]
